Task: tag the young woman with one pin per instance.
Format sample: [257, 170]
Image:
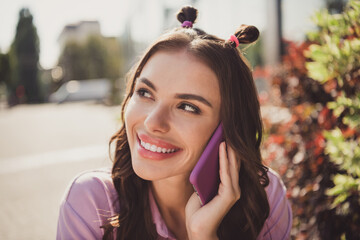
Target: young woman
[186, 83]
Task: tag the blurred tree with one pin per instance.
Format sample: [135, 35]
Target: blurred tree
[253, 53]
[115, 68]
[115, 58]
[4, 68]
[24, 59]
[73, 62]
[98, 57]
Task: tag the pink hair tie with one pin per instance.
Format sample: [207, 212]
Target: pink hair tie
[234, 39]
[187, 24]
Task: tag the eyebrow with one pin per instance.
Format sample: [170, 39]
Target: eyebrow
[185, 96]
[148, 83]
[193, 97]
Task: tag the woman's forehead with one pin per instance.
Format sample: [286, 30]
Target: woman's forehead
[180, 70]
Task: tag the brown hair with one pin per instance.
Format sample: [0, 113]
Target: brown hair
[240, 114]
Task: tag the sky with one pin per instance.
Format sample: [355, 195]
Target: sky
[50, 17]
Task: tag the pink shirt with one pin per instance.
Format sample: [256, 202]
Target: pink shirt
[92, 198]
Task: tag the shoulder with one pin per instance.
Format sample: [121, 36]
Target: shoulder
[89, 201]
[279, 222]
[276, 188]
[94, 187]
[91, 184]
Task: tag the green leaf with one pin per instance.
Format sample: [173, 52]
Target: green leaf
[340, 198]
[335, 191]
[318, 54]
[318, 71]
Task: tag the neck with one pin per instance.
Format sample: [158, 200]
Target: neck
[171, 196]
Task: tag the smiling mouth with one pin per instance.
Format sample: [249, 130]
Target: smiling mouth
[155, 148]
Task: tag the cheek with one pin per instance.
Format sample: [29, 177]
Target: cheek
[197, 140]
[131, 116]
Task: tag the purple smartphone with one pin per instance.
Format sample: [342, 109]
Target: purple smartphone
[205, 176]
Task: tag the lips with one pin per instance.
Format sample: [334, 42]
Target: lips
[155, 149]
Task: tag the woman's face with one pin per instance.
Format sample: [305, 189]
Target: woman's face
[172, 114]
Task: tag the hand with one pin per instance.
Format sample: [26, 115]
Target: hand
[203, 222]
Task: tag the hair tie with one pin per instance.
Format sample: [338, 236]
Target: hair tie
[187, 24]
[234, 39]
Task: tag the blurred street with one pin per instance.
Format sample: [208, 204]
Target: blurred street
[42, 147]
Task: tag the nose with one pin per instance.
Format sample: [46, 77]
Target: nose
[158, 119]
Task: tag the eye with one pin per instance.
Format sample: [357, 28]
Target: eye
[189, 108]
[144, 93]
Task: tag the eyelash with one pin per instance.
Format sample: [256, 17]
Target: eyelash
[194, 109]
[184, 106]
[142, 91]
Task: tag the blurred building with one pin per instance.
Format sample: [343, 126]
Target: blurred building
[78, 32]
[147, 20]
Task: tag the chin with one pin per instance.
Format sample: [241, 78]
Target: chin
[143, 175]
[149, 173]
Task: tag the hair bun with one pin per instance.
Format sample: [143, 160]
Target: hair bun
[187, 13]
[247, 34]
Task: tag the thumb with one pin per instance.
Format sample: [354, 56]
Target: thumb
[193, 205]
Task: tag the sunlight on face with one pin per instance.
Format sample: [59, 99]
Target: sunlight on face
[172, 114]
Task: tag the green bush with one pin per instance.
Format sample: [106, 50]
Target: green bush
[336, 57]
[319, 83]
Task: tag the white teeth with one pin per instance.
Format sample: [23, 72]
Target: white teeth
[154, 148]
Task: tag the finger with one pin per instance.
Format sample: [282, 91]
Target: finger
[224, 165]
[234, 164]
[234, 171]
